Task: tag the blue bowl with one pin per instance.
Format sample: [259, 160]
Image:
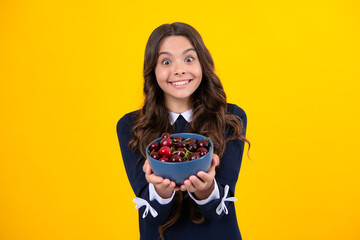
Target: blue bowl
[180, 171]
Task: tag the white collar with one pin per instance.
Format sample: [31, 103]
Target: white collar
[187, 115]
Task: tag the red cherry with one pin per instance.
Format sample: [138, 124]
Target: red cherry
[166, 142]
[165, 151]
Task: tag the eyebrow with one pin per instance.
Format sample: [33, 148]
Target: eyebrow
[167, 53]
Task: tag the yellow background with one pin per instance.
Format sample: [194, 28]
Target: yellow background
[70, 69]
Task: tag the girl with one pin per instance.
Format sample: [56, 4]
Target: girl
[183, 94]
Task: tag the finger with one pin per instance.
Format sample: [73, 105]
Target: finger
[146, 165]
[182, 187]
[206, 177]
[197, 183]
[148, 170]
[167, 185]
[212, 171]
[189, 186]
[173, 185]
[215, 160]
[154, 179]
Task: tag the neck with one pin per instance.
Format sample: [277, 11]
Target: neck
[178, 105]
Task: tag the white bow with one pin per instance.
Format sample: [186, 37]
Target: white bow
[142, 202]
[222, 206]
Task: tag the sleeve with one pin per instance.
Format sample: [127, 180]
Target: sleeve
[133, 162]
[227, 174]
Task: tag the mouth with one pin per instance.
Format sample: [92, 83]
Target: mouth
[181, 82]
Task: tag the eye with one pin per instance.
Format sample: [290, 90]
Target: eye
[165, 62]
[189, 59]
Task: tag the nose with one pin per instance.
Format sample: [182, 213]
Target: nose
[179, 69]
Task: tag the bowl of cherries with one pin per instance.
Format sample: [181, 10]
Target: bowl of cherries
[180, 155]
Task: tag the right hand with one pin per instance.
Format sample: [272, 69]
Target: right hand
[163, 187]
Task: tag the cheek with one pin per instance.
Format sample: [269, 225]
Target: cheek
[198, 71]
[161, 75]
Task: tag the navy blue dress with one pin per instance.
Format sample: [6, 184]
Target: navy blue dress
[223, 226]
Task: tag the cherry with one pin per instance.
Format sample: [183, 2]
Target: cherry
[194, 156]
[203, 151]
[155, 155]
[173, 148]
[165, 151]
[192, 147]
[166, 142]
[154, 146]
[175, 158]
[181, 144]
[193, 140]
[166, 135]
[177, 139]
[164, 159]
[203, 143]
[180, 152]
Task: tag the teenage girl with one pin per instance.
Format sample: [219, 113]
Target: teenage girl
[180, 86]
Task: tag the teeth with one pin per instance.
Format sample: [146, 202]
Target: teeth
[180, 83]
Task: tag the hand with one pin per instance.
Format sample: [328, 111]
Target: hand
[163, 187]
[202, 185]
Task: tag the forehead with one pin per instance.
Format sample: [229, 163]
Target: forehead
[174, 44]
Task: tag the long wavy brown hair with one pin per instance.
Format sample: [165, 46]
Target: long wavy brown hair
[210, 117]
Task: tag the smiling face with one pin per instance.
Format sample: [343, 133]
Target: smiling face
[178, 72]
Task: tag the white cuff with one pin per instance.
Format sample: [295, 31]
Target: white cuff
[214, 195]
[153, 195]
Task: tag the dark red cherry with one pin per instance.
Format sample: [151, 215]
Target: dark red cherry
[175, 158]
[192, 147]
[154, 146]
[172, 148]
[193, 140]
[155, 155]
[181, 144]
[166, 135]
[203, 151]
[203, 143]
[164, 159]
[190, 140]
[177, 139]
[180, 152]
[194, 156]
[165, 151]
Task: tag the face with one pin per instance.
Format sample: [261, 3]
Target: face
[178, 71]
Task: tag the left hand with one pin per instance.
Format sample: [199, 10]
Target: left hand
[202, 184]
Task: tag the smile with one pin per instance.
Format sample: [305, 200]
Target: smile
[180, 83]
